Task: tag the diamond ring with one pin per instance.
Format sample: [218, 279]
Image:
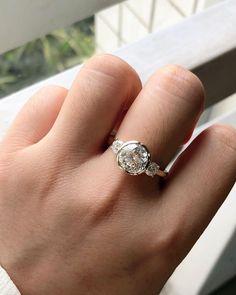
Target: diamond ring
[134, 158]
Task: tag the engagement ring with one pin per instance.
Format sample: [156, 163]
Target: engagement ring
[134, 158]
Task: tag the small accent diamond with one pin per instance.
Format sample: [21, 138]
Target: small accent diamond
[117, 144]
[152, 169]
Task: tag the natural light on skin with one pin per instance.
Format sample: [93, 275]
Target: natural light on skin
[69, 48]
[79, 221]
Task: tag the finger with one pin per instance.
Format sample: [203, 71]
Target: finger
[164, 112]
[105, 86]
[199, 182]
[37, 117]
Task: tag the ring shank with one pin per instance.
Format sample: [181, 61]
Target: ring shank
[161, 173]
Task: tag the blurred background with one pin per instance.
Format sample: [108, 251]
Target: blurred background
[106, 31]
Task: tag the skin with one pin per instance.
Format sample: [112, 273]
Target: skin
[72, 222]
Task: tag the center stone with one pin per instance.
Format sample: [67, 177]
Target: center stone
[133, 158]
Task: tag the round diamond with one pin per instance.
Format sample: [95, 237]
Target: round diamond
[133, 157]
[152, 169]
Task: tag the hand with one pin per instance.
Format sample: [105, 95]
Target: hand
[72, 222]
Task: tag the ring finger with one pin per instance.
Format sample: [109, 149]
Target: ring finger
[164, 112]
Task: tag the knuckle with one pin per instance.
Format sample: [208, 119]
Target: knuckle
[113, 67]
[52, 89]
[224, 133]
[181, 83]
[53, 92]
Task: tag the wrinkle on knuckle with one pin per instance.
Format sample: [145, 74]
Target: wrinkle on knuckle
[114, 69]
[180, 83]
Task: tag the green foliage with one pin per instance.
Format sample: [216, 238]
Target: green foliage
[46, 56]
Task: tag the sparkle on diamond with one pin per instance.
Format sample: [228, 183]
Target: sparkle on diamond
[133, 158]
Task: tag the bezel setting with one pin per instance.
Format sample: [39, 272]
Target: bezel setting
[133, 157]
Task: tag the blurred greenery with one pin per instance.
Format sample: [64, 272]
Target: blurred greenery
[46, 56]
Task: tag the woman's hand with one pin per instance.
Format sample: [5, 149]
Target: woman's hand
[72, 222]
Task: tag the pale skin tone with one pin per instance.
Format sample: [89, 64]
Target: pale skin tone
[72, 222]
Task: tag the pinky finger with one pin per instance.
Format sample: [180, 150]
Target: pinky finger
[200, 180]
